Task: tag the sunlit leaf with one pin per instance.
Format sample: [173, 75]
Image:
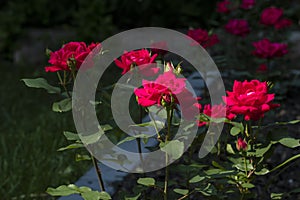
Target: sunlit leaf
[290, 142]
[62, 106]
[71, 136]
[146, 181]
[174, 149]
[63, 190]
[196, 179]
[181, 191]
[71, 146]
[41, 83]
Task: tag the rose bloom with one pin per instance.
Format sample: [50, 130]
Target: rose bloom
[250, 99]
[136, 58]
[238, 27]
[283, 23]
[165, 87]
[222, 7]
[247, 4]
[216, 111]
[62, 59]
[270, 16]
[202, 37]
[265, 49]
[241, 144]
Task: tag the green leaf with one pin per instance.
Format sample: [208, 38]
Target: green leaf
[290, 122]
[133, 198]
[290, 142]
[79, 157]
[235, 131]
[276, 195]
[41, 83]
[215, 164]
[261, 151]
[90, 139]
[263, 171]
[130, 138]
[181, 191]
[196, 179]
[146, 181]
[213, 171]
[71, 146]
[63, 190]
[209, 190]
[174, 149]
[63, 105]
[229, 149]
[71, 136]
[90, 195]
[248, 185]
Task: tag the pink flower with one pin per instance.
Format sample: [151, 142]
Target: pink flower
[283, 23]
[247, 4]
[270, 16]
[216, 111]
[202, 37]
[137, 58]
[241, 144]
[238, 27]
[222, 7]
[250, 99]
[70, 55]
[169, 80]
[265, 49]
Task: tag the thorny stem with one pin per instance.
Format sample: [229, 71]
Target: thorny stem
[138, 140]
[63, 83]
[169, 121]
[98, 171]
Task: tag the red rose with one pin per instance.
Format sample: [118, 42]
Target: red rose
[238, 27]
[247, 4]
[202, 37]
[137, 58]
[265, 49]
[283, 23]
[222, 7]
[241, 145]
[70, 55]
[270, 16]
[216, 111]
[150, 94]
[165, 87]
[250, 99]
